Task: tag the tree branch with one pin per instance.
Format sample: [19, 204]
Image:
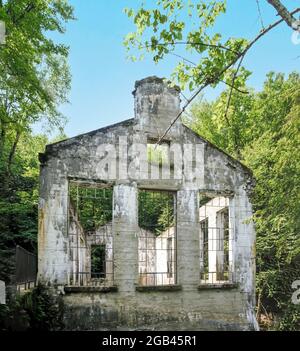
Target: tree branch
[237, 150]
[283, 12]
[235, 88]
[216, 77]
[31, 6]
[182, 58]
[260, 15]
[13, 151]
[2, 138]
[193, 43]
[231, 90]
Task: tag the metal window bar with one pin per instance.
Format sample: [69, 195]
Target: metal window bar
[157, 237]
[90, 230]
[216, 238]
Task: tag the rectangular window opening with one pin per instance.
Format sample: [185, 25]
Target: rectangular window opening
[98, 261]
[90, 234]
[157, 237]
[215, 240]
[160, 165]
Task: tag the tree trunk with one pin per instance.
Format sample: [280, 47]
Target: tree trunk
[2, 139]
[12, 152]
[283, 12]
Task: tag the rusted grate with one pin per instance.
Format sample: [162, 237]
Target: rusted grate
[90, 235]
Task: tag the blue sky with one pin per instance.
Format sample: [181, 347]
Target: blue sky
[103, 78]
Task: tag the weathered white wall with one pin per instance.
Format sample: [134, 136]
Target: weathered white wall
[146, 257]
[161, 245]
[156, 105]
[183, 307]
[53, 241]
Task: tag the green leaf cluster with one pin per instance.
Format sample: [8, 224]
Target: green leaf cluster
[163, 30]
[262, 129]
[34, 81]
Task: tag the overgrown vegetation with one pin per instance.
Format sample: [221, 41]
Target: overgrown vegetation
[38, 309]
[259, 129]
[262, 129]
[155, 210]
[19, 203]
[92, 205]
[34, 80]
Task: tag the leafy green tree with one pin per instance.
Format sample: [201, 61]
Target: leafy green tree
[275, 158]
[92, 206]
[209, 59]
[264, 128]
[34, 80]
[34, 75]
[162, 29]
[155, 211]
[224, 125]
[19, 202]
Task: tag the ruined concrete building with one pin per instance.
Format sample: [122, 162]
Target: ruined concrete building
[137, 235]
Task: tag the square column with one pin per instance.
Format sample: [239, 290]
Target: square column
[125, 222]
[188, 254]
[53, 243]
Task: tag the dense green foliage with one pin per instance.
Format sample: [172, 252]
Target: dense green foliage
[34, 75]
[98, 264]
[163, 30]
[34, 80]
[38, 309]
[259, 129]
[19, 202]
[92, 205]
[45, 311]
[263, 130]
[155, 210]
[185, 29]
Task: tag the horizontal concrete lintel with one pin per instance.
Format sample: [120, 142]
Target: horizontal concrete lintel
[90, 182]
[146, 288]
[218, 286]
[123, 229]
[89, 289]
[159, 184]
[181, 223]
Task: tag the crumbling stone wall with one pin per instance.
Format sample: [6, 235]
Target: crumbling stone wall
[127, 305]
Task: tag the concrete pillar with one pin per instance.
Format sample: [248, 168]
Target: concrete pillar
[188, 239]
[125, 221]
[244, 260]
[53, 247]
[245, 242]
